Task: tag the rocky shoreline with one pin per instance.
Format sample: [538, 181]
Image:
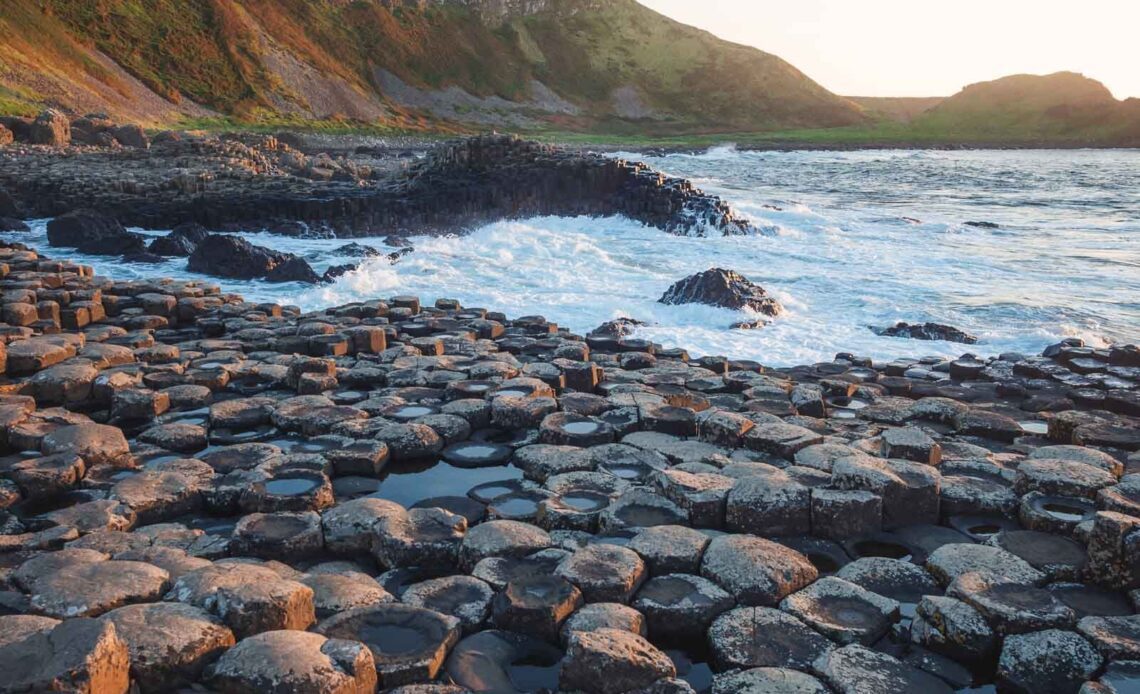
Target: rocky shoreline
[253, 182]
[204, 494]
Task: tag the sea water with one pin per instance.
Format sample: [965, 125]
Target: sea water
[848, 240]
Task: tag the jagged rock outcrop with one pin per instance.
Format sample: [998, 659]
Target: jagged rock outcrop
[724, 288]
[181, 241]
[224, 184]
[225, 255]
[92, 232]
[927, 331]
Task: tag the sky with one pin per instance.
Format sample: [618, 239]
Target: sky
[926, 48]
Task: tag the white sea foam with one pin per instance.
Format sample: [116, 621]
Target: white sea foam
[841, 256]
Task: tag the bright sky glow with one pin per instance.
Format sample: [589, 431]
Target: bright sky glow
[924, 48]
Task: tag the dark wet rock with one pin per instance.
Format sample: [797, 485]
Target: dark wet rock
[77, 655]
[91, 232]
[181, 241]
[611, 661]
[754, 570]
[723, 288]
[293, 269]
[357, 250]
[408, 644]
[295, 661]
[927, 331]
[1050, 661]
[232, 256]
[749, 637]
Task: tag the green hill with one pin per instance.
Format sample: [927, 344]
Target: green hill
[596, 65]
[1062, 107]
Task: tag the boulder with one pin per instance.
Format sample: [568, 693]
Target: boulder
[181, 241]
[51, 128]
[130, 135]
[234, 257]
[724, 288]
[95, 233]
[294, 269]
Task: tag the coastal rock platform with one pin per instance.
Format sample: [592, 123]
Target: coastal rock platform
[201, 493]
[249, 183]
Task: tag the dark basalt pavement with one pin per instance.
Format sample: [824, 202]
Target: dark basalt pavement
[396, 495]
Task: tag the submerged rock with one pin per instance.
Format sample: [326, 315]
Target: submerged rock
[724, 288]
[927, 331]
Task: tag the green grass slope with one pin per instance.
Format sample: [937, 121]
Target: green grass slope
[1063, 107]
[621, 66]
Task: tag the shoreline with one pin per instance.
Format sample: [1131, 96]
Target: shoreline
[231, 482]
